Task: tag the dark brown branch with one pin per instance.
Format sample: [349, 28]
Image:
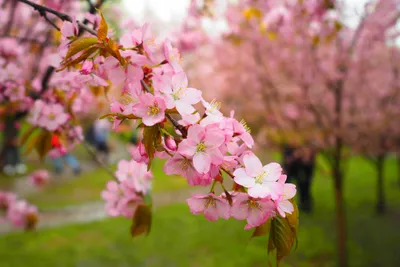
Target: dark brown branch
[11, 18]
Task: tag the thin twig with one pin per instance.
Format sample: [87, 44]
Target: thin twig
[62, 16]
[11, 18]
[94, 155]
[227, 172]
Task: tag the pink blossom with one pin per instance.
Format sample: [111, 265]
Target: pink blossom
[15, 93]
[6, 200]
[202, 144]
[189, 119]
[172, 56]
[255, 211]
[211, 205]
[180, 96]
[233, 128]
[22, 214]
[39, 177]
[53, 116]
[119, 75]
[212, 112]
[139, 153]
[69, 29]
[87, 67]
[128, 205]
[150, 108]
[141, 36]
[112, 195]
[289, 191]
[136, 172]
[183, 166]
[260, 181]
[170, 143]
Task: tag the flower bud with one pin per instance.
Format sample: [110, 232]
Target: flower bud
[87, 67]
[170, 143]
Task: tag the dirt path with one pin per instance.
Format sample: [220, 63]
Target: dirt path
[22, 187]
[95, 211]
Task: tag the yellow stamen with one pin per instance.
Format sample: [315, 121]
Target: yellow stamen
[245, 126]
[153, 110]
[201, 147]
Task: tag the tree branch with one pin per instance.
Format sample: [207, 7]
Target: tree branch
[64, 17]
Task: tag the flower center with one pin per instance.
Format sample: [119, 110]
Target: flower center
[260, 178]
[253, 205]
[185, 163]
[210, 202]
[154, 110]
[177, 95]
[201, 147]
[51, 116]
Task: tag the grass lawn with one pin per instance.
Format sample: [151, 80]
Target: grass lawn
[88, 186]
[181, 239]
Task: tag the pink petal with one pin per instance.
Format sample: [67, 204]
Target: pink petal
[224, 209]
[184, 108]
[211, 213]
[196, 204]
[273, 170]
[196, 133]
[201, 162]
[240, 209]
[117, 76]
[289, 191]
[284, 207]
[258, 191]
[274, 189]
[214, 138]
[253, 165]
[242, 178]
[140, 110]
[192, 96]
[186, 149]
[179, 81]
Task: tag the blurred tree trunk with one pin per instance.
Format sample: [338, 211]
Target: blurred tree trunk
[340, 205]
[381, 202]
[398, 168]
[10, 149]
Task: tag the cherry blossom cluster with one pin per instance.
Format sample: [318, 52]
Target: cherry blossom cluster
[39, 177]
[198, 141]
[19, 212]
[126, 194]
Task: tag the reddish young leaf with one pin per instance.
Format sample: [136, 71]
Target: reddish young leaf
[103, 28]
[141, 221]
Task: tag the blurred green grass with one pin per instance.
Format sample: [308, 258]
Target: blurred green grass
[179, 238]
[88, 186]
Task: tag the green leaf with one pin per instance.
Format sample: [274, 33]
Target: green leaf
[119, 116]
[85, 54]
[43, 144]
[30, 145]
[262, 230]
[293, 219]
[27, 134]
[281, 237]
[80, 45]
[141, 222]
[151, 138]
